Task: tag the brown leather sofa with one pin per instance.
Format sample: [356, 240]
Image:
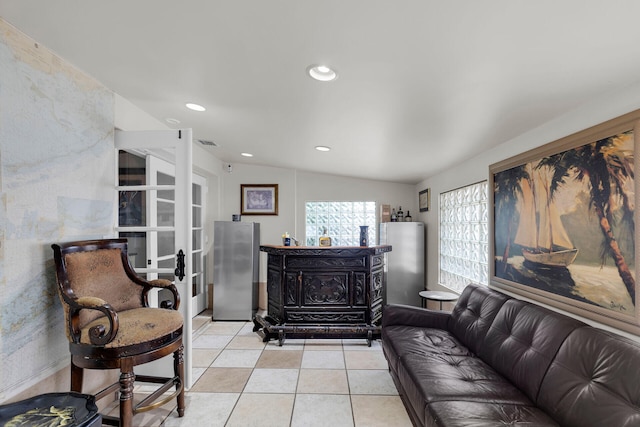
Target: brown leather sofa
[497, 361]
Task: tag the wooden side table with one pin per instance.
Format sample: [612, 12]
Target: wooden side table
[437, 296]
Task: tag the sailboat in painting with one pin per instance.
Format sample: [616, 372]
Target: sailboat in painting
[541, 234]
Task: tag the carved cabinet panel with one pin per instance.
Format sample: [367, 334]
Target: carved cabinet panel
[325, 286]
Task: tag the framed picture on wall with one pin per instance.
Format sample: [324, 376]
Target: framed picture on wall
[259, 199]
[424, 199]
[564, 221]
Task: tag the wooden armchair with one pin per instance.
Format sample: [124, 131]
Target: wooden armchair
[110, 325]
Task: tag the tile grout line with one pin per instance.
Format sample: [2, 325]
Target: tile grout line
[245, 384]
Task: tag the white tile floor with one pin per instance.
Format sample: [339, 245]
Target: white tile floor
[241, 381]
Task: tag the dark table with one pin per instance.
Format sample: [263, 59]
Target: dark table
[52, 409]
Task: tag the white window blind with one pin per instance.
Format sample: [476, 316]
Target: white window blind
[464, 236]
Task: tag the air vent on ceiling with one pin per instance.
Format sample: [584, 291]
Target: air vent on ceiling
[208, 143]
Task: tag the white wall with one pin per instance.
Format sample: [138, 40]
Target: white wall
[476, 169]
[294, 189]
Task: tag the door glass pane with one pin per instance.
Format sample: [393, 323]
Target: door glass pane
[131, 208]
[197, 262]
[196, 216]
[164, 179]
[165, 213]
[197, 241]
[131, 169]
[167, 263]
[196, 194]
[137, 248]
[166, 243]
[131, 204]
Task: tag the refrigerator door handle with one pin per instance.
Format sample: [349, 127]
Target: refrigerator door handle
[180, 265]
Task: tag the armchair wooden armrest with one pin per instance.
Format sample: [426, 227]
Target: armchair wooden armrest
[168, 285]
[97, 334]
[160, 283]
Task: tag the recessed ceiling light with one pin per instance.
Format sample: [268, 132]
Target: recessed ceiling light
[322, 73]
[323, 148]
[195, 107]
[172, 121]
[246, 154]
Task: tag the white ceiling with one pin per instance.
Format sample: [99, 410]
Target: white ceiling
[422, 85]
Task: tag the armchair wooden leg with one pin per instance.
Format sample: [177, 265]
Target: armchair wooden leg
[127, 378]
[178, 366]
[77, 374]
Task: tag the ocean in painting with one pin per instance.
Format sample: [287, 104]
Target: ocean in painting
[591, 284]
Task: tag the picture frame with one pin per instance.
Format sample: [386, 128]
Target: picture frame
[561, 221]
[424, 200]
[259, 199]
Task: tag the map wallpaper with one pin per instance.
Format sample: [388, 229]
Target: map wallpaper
[56, 184]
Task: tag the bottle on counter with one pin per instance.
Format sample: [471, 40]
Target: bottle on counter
[324, 240]
[400, 214]
[408, 217]
[394, 217]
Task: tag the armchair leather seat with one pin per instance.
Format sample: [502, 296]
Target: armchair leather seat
[139, 325]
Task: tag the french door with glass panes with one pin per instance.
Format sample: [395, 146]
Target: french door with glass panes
[161, 210]
[154, 186]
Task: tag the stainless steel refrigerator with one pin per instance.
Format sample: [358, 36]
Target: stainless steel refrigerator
[405, 264]
[236, 260]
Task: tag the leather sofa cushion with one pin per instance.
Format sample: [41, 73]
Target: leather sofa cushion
[404, 322]
[593, 381]
[441, 377]
[480, 414]
[473, 314]
[409, 340]
[431, 378]
[522, 342]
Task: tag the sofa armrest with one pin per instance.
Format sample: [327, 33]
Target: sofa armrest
[397, 314]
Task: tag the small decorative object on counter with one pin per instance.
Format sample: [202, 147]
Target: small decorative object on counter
[364, 235]
[400, 214]
[286, 239]
[325, 240]
[235, 217]
[408, 217]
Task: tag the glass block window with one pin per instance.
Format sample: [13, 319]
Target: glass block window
[464, 236]
[342, 221]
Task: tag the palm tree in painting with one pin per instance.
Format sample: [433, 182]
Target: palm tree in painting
[507, 188]
[607, 168]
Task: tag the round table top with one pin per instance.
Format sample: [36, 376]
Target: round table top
[439, 295]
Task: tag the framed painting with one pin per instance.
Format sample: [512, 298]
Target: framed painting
[259, 199]
[563, 226]
[423, 200]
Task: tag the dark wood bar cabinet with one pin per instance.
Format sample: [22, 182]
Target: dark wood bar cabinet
[323, 292]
